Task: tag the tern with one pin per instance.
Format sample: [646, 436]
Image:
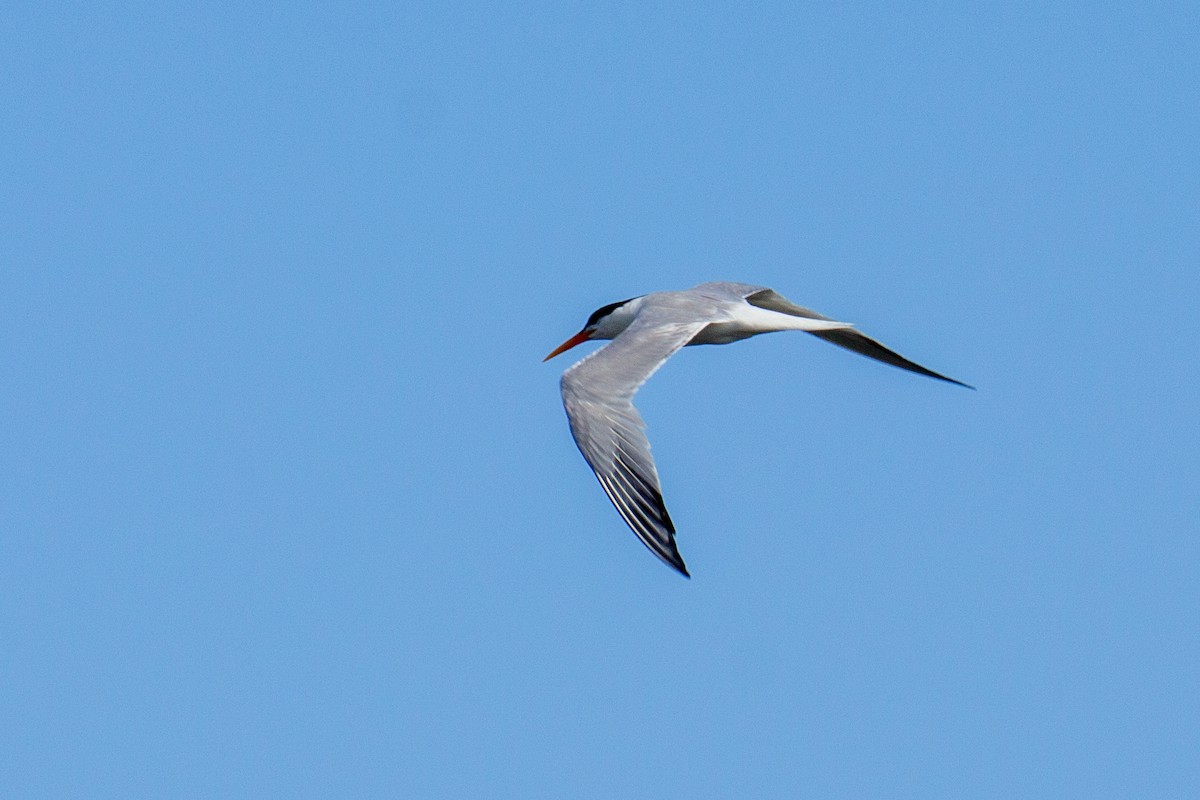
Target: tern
[598, 390]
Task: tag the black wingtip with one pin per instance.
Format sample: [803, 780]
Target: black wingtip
[957, 383]
[676, 560]
[670, 555]
[858, 342]
[910, 366]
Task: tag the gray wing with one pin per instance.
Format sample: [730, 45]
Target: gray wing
[598, 396]
[843, 337]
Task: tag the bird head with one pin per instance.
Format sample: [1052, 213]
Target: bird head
[604, 323]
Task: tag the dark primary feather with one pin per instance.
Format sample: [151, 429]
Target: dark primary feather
[641, 506]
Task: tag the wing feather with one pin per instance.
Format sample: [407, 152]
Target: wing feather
[598, 397]
[848, 338]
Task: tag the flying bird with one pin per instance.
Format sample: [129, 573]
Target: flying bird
[645, 331]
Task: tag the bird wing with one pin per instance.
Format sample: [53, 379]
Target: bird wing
[842, 337]
[598, 396]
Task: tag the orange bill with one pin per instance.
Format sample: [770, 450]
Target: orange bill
[578, 338]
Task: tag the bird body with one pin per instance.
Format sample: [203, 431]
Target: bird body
[645, 331]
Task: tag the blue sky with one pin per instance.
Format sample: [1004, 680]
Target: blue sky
[288, 503]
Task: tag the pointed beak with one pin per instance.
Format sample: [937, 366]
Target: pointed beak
[578, 338]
